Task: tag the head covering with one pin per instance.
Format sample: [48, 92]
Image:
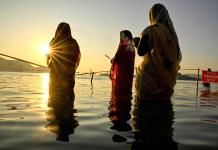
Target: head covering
[62, 37]
[122, 67]
[127, 33]
[159, 15]
[156, 75]
[125, 37]
[63, 30]
[65, 52]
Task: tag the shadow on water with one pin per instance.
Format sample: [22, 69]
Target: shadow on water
[60, 114]
[152, 125]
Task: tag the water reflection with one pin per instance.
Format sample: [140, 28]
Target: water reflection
[60, 114]
[45, 81]
[209, 100]
[152, 124]
[208, 94]
[119, 113]
[208, 97]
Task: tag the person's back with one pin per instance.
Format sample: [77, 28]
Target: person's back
[65, 53]
[63, 61]
[161, 56]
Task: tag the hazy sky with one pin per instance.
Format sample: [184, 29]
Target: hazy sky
[95, 24]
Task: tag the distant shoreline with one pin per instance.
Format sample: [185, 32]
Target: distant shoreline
[18, 66]
[179, 77]
[187, 77]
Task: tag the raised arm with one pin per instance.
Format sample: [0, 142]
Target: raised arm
[143, 46]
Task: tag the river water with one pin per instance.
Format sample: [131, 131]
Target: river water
[99, 122]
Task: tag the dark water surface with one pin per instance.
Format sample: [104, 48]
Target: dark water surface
[98, 121]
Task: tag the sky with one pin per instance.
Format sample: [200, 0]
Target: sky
[26, 25]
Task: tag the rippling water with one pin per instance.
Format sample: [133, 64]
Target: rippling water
[99, 123]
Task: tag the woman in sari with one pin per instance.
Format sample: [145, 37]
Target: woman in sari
[159, 46]
[63, 60]
[122, 68]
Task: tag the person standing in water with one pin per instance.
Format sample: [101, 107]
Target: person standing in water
[207, 84]
[64, 57]
[63, 61]
[159, 47]
[122, 68]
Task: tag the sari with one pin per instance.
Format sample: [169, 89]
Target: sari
[64, 57]
[156, 75]
[122, 68]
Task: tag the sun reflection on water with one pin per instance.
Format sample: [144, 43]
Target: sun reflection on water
[45, 88]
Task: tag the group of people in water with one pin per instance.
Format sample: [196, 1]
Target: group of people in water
[155, 77]
[158, 45]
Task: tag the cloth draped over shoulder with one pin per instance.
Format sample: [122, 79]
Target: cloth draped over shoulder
[64, 57]
[156, 75]
[122, 68]
[62, 61]
[153, 74]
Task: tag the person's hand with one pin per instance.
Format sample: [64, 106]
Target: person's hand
[112, 60]
[136, 41]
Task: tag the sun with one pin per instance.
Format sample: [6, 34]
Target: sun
[44, 48]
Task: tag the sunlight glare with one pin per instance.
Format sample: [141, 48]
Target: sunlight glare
[44, 49]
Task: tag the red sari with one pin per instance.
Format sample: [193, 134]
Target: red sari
[122, 69]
